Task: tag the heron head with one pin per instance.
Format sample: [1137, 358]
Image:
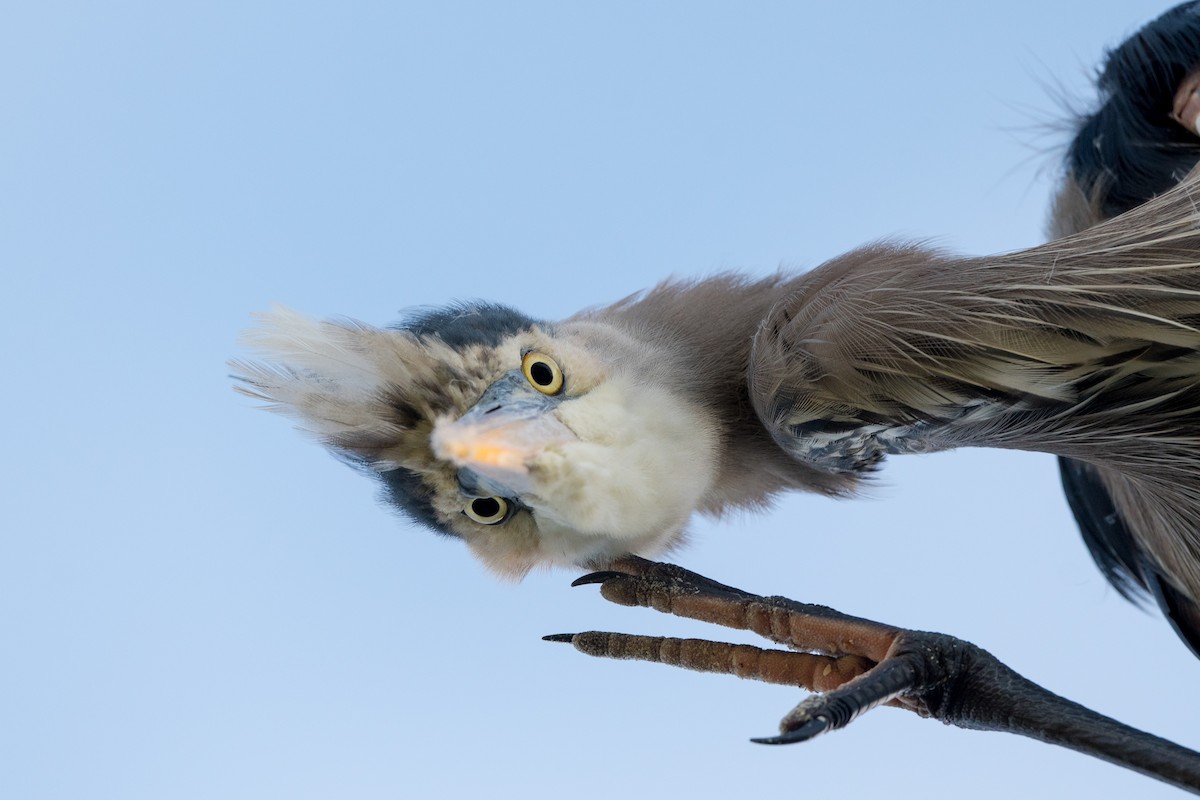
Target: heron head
[535, 444]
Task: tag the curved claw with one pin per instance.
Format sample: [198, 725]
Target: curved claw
[810, 729]
[858, 664]
[597, 577]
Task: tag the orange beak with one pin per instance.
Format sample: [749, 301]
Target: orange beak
[499, 445]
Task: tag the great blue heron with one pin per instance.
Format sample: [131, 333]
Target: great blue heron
[1141, 141]
[589, 440]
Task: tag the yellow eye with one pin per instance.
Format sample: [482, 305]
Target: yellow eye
[487, 510]
[542, 373]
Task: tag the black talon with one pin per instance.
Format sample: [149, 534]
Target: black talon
[811, 728]
[597, 577]
[559, 637]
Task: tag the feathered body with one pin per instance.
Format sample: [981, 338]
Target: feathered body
[1087, 347]
[1136, 144]
[582, 440]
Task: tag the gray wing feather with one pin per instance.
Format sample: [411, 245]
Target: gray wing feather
[1086, 347]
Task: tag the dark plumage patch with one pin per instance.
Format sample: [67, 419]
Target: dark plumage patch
[407, 415]
[465, 324]
[406, 491]
[1183, 614]
[1127, 152]
[1104, 532]
[1130, 149]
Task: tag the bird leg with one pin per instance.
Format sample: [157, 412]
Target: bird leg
[858, 664]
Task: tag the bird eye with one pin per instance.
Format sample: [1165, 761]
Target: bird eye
[541, 371]
[487, 510]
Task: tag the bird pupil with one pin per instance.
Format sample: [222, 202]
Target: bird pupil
[486, 506]
[541, 373]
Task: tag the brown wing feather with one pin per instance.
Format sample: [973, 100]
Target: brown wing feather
[1087, 347]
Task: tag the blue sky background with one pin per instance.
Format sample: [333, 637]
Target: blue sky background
[196, 602]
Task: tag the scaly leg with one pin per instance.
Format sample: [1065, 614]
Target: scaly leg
[860, 664]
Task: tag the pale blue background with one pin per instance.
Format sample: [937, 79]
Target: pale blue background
[196, 602]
